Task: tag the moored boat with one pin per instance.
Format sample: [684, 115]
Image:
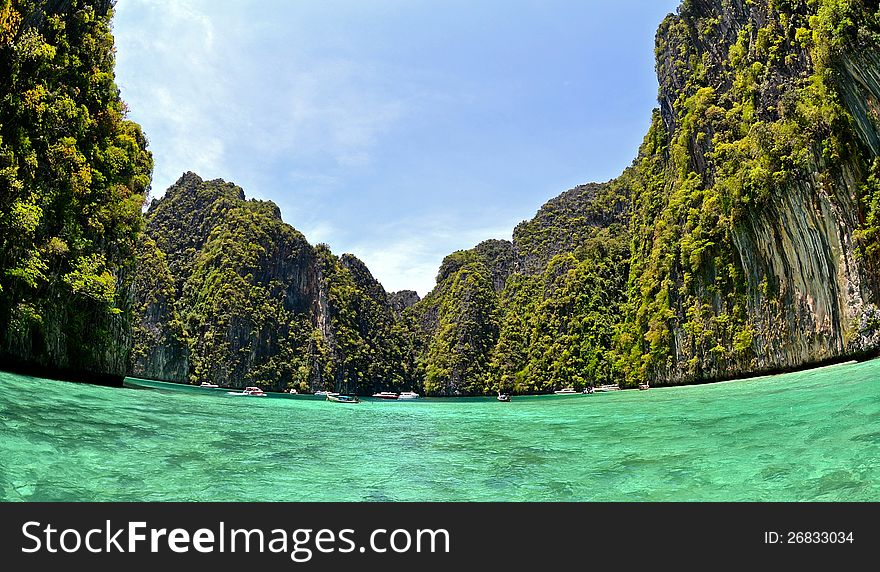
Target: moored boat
[207, 385]
[337, 398]
[408, 395]
[608, 387]
[644, 387]
[386, 395]
[248, 392]
[566, 391]
[503, 397]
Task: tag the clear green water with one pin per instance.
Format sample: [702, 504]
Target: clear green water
[806, 436]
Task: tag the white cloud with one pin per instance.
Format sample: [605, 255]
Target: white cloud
[217, 97]
[411, 262]
[167, 71]
[317, 232]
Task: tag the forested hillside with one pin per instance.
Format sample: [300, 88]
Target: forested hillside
[227, 292]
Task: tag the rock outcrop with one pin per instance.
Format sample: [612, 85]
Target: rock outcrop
[229, 293]
[755, 178]
[565, 223]
[403, 299]
[73, 174]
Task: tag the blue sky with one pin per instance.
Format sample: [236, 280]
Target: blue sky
[397, 130]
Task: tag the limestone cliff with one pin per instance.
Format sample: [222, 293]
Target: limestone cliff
[534, 314]
[566, 222]
[229, 293]
[73, 175]
[403, 299]
[751, 252]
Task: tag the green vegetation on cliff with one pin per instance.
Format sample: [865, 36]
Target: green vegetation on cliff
[229, 293]
[752, 137]
[365, 347]
[536, 314]
[73, 175]
[457, 358]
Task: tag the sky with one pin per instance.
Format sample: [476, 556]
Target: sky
[397, 130]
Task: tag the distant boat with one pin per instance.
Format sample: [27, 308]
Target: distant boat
[589, 390]
[292, 391]
[249, 392]
[503, 397]
[342, 398]
[566, 391]
[207, 385]
[323, 393]
[608, 387]
[408, 395]
[644, 387]
[386, 395]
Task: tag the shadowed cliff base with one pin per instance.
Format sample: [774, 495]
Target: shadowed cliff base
[12, 365]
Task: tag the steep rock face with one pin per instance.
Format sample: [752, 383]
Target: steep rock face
[159, 349]
[499, 257]
[565, 223]
[859, 84]
[73, 174]
[229, 293]
[244, 290]
[186, 216]
[748, 256]
[496, 255]
[493, 258]
[534, 314]
[370, 347]
[364, 279]
[403, 299]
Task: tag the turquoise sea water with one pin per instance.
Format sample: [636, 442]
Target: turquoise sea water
[807, 436]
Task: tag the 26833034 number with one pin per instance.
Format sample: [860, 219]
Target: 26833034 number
[817, 537]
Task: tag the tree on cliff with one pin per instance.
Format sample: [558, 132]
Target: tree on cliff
[73, 175]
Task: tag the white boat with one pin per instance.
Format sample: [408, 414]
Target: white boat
[566, 391]
[292, 392]
[609, 387]
[503, 397]
[323, 393]
[249, 392]
[207, 385]
[386, 395]
[408, 395]
[337, 398]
